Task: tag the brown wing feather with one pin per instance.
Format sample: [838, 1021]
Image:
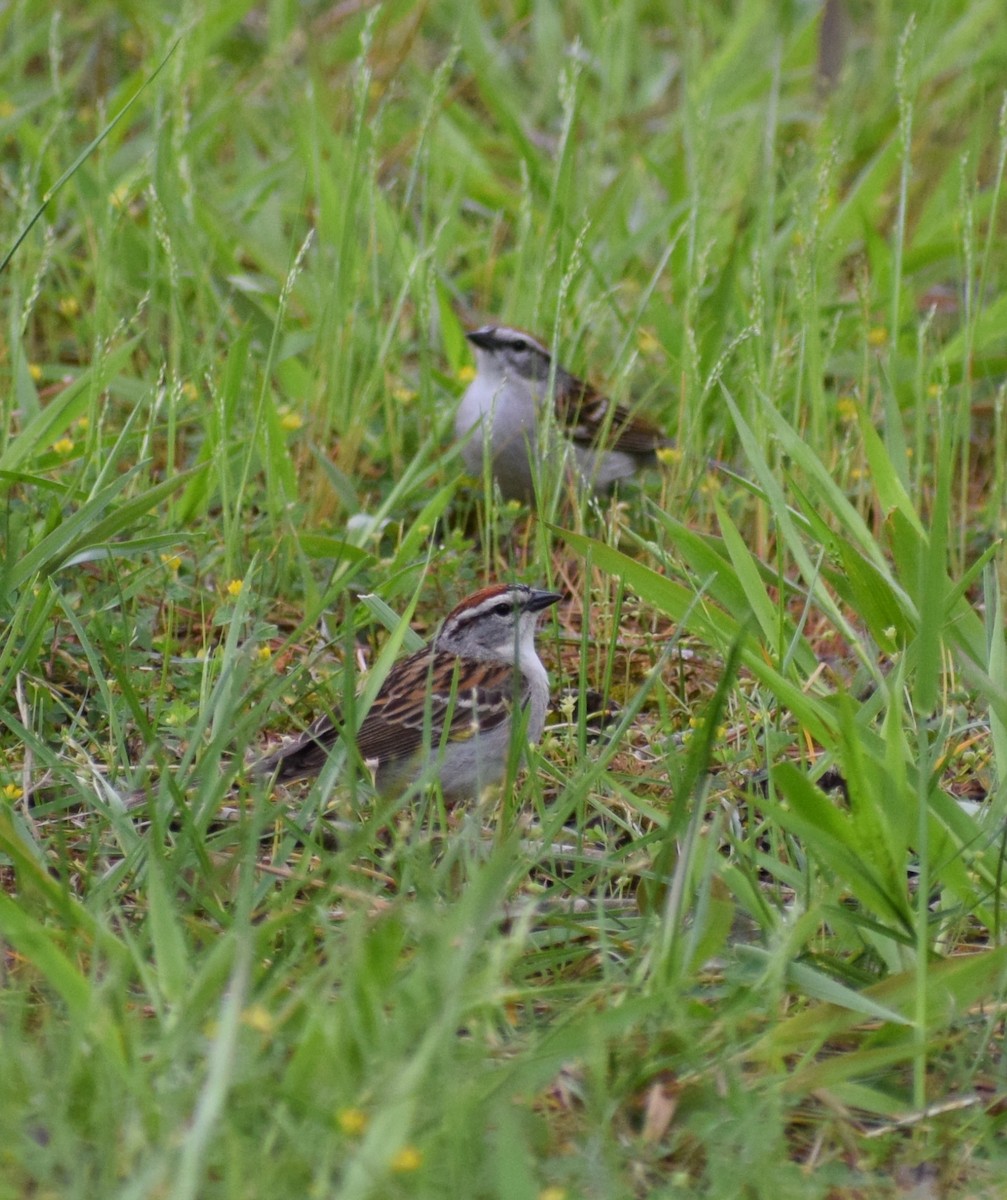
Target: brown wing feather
[394, 727]
[591, 418]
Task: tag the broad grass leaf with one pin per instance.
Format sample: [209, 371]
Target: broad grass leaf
[845, 842]
[38, 944]
[96, 522]
[171, 955]
[953, 986]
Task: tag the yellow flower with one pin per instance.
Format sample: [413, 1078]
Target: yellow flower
[403, 395]
[264, 653]
[189, 390]
[12, 792]
[290, 420]
[83, 423]
[647, 343]
[132, 43]
[552, 1193]
[259, 1018]
[171, 561]
[467, 374]
[63, 446]
[669, 455]
[35, 371]
[235, 586]
[877, 335]
[846, 407]
[406, 1159]
[352, 1121]
[69, 306]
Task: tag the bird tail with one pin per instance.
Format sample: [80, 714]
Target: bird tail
[303, 756]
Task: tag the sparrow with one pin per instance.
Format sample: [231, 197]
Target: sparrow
[449, 711]
[502, 417]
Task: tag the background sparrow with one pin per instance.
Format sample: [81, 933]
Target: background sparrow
[503, 407]
[449, 709]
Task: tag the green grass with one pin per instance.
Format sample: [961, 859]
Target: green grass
[680, 959]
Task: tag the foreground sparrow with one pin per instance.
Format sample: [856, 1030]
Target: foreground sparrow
[503, 408]
[448, 711]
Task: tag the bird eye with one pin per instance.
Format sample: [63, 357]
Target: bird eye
[519, 344]
[503, 610]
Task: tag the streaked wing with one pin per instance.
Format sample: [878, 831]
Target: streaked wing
[591, 418]
[419, 694]
[424, 693]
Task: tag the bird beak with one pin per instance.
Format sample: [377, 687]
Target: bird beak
[539, 599]
[484, 338]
